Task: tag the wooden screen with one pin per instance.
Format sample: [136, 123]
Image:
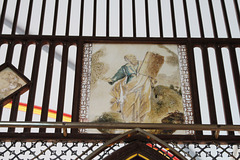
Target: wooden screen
[45, 40]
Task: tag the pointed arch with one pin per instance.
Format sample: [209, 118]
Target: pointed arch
[137, 149]
[131, 133]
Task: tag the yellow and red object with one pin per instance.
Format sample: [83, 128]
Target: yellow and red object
[38, 110]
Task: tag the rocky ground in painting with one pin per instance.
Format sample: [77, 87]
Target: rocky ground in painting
[166, 107]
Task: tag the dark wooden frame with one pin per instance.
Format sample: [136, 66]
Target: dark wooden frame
[19, 91]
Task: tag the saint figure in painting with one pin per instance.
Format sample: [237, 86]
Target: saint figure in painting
[132, 86]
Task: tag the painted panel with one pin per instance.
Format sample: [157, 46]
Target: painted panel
[135, 83]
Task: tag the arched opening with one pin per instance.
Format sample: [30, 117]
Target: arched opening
[140, 143]
[138, 151]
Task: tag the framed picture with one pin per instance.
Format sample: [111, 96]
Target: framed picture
[135, 83]
[11, 82]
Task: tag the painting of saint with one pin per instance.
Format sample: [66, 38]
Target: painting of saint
[135, 83]
[132, 91]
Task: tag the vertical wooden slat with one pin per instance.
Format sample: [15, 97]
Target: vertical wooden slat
[10, 51]
[224, 90]
[47, 87]
[42, 17]
[94, 17]
[22, 60]
[121, 18]
[160, 19]
[194, 87]
[81, 18]
[209, 86]
[29, 17]
[16, 98]
[134, 18]
[173, 19]
[1, 110]
[14, 105]
[4, 7]
[68, 17]
[226, 19]
[186, 19]
[14, 110]
[16, 17]
[237, 12]
[55, 18]
[147, 18]
[235, 71]
[107, 18]
[62, 84]
[32, 91]
[77, 85]
[213, 19]
[200, 19]
[1, 105]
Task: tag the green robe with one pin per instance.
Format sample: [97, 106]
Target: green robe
[125, 71]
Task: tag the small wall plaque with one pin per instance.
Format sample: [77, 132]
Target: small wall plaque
[12, 81]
